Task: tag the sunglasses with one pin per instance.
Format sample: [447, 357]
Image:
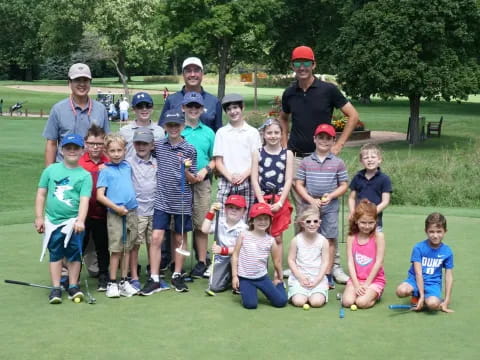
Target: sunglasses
[298, 64]
[143, 106]
[316, 221]
[193, 105]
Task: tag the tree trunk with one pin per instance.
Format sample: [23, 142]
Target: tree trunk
[174, 64]
[123, 79]
[414, 131]
[224, 48]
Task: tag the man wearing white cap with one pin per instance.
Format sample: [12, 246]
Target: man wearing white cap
[73, 115]
[192, 69]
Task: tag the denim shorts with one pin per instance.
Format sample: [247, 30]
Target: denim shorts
[58, 251]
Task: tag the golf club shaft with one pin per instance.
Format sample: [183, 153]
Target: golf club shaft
[91, 299]
[400, 306]
[16, 282]
[215, 239]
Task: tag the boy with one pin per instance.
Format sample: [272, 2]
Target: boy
[229, 228]
[93, 160]
[370, 183]
[144, 168]
[234, 145]
[173, 199]
[320, 180]
[68, 187]
[429, 257]
[202, 138]
[115, 191]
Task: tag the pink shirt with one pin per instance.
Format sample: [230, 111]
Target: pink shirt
[364, 257]
[253, 256]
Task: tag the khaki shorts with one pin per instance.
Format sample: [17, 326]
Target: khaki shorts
[144, 230]
[115, 231]
[201, 202]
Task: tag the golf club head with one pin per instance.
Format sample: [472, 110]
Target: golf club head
[339, 296]
[182, 251]
[92, 301]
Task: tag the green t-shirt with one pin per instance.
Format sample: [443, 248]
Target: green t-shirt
[64, 187]
[202, 138]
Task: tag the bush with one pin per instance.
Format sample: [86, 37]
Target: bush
[164, 79]
[280, 81]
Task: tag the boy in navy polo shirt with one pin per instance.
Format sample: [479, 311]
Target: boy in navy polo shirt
[176, 164]
[115, 191]
[370, 183]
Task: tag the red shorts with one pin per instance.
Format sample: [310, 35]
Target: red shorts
[282, 218]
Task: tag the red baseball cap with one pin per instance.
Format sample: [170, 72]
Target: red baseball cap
[325, 128]
[303, 52]
[260, 209]
[237, 200]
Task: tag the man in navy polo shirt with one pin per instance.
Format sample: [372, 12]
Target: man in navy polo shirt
[192, 69]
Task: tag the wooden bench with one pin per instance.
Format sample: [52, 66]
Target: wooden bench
[435, 127]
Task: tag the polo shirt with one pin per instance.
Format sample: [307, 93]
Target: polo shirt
[117, 179]
[63, 120]
[236, 145]
[322, 177]
[309, 109]
[228, 235]
[202, 138]
[95, 209]
[128, 130]
[144, 183]
[212, 109]
[169, 195]
[371, 189]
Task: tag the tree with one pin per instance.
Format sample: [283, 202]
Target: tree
[410, 48]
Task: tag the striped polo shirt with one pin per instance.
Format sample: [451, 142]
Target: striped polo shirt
[322, 177]
[168, 197]
[253, 256]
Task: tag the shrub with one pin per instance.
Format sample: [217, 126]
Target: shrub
[164, 79]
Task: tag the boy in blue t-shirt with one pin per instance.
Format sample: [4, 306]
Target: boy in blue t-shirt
[68, 187]
[429, 257]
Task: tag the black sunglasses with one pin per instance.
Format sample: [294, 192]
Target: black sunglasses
[143, 106]
[194, 105]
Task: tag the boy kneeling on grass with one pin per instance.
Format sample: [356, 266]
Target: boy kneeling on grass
[68, 187]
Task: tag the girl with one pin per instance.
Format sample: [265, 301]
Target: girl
[365, 253]
[250, 260]
[308, 260]
[272, 176]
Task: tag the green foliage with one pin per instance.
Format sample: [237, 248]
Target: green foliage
[166, 79]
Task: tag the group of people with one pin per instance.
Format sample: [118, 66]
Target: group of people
[151, 184]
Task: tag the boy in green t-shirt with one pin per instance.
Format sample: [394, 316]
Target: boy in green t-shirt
[68, 187]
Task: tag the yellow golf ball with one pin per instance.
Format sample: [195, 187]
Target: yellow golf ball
[76, 300]
[353, 307]
[306, 307]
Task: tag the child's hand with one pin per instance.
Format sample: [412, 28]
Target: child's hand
[305, 281]
[187, 163]
[316, 202]
[276, 207]
[101, 166]
[216, 249]
[325, 200]
[238, 179]
[79, 226]
[121, 210]
[216, 206]
[444, 308]
[235, 283]
[277, 281]
[39, 225]
[361, 290]
[420, 303]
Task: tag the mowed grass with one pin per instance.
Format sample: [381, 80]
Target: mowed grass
[193, 325]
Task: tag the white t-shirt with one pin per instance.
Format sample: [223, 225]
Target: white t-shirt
[124, 105]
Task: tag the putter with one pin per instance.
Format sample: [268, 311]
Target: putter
[90, 299]
[401, 307]
[341, 312]
[209, 291]
[16, 282]
[180, 249]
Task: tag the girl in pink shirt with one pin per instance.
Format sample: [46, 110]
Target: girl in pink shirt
[365, 253]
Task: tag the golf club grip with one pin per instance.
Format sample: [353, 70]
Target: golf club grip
[399, 306]
[342, 312]
[217, 218]
[17, 282]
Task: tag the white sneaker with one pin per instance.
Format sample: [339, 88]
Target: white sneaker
[286, 273]
[339, 274]
[126, 289]
[112, 290]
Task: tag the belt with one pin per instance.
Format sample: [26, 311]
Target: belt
[302, 155]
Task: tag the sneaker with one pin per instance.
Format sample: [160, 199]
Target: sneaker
[136, 285]
[339, 275]
[112, 290]
[331, 283]
[198, 270]
[74, 292]
[163, 285]
[64, 282]
[55, 296]
[286, 273]
[207, 272]
[151, 287]
[126, 289]
[102, 282]
[179, 283]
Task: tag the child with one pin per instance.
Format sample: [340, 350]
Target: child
[424, 280]
[250, 258]
[234, 145]
[115, 191]
[202, 139]
[272, 175]
[365, 254]
[320, 180]
[68, 187]
[308, 261]
[229, 228]
[370, 183]
[93, 160]
[172, 200]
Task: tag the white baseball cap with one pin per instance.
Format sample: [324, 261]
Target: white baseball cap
[79, 70]
[192, 61]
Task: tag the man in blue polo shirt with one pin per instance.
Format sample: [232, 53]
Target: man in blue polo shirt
[73, 115]
[192, 69]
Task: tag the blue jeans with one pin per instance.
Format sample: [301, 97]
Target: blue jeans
[248, 290]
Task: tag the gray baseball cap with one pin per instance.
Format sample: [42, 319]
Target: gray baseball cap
[231, 98]
[143, 135]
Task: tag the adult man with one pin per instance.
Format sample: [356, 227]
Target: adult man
[192, 69]
[73, 115]
[310, 102]
[124, 106]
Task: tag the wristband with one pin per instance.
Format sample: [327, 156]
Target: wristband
[210, 215]
[224, 250]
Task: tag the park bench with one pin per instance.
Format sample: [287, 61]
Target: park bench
[435, 127]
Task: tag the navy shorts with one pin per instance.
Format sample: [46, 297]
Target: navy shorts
[329, 225]
[162, 220]
[58, 251]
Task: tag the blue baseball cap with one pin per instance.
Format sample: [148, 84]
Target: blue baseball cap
[72, 139]
[173, 116]
[193, 97]
[141, 97]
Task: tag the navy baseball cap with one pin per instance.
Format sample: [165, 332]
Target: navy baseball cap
[173, 116]
[72, 139]
[193, 97]
[141, 97]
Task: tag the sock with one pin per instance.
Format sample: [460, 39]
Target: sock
[114, 281]
[72, 286]
[155, 278]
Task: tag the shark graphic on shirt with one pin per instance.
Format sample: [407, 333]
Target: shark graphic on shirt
[60, 187]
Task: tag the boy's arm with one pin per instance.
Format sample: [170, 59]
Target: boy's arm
[384, 203]
[102, 199]
[448, 291]
[351, 203]
[79, 225]
[302, 191]
[39, 207]
[220, 166]
[339, 191]
[419, 279]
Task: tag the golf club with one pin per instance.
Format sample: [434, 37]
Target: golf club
[90, 299]
[401, 307]
[341, 313]
[180, 249]
[209, 291]
[16, 282]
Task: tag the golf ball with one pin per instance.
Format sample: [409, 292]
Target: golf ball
[353, 307]
[76, 300]
[306, 307]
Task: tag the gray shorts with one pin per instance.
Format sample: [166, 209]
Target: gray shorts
[329, 225]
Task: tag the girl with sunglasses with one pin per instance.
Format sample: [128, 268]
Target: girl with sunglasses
[308, 259]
